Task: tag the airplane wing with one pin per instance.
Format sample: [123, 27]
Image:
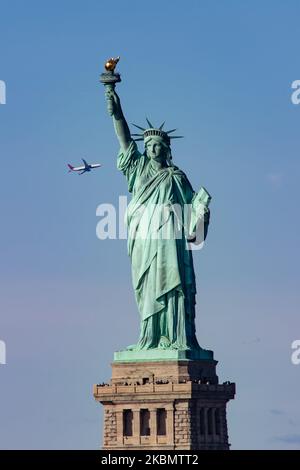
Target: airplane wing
[85, 163]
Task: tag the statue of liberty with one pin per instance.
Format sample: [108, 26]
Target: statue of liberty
[159, 231]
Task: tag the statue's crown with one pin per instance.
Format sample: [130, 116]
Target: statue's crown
[158, 132]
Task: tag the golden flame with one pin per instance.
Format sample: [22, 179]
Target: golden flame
[111, 63]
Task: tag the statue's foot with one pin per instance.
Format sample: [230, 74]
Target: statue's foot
[164, 343]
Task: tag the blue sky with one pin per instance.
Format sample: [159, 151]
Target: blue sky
[221, 72]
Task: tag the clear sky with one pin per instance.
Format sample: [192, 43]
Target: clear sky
[221, 72]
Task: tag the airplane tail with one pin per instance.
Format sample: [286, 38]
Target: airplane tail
[70, 167]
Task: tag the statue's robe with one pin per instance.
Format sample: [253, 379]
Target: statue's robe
[162, 264]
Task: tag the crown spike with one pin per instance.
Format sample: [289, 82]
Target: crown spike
[137, 135]
[139, 127]
[172, 130]
[176, 136]
[162, 125]
[149, 123]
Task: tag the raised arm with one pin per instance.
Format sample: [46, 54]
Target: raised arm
[120, 124]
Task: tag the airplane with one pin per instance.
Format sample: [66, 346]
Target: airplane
[85, 168]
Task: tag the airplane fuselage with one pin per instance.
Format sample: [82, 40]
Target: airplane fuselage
[83, 169]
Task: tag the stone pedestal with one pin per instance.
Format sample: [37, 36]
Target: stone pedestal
[165, 405]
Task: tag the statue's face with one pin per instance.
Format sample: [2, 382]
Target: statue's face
[155, 150]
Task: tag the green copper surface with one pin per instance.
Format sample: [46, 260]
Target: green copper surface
[158, 243]
[155, 354]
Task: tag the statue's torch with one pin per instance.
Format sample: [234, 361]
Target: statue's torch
[109, 79]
